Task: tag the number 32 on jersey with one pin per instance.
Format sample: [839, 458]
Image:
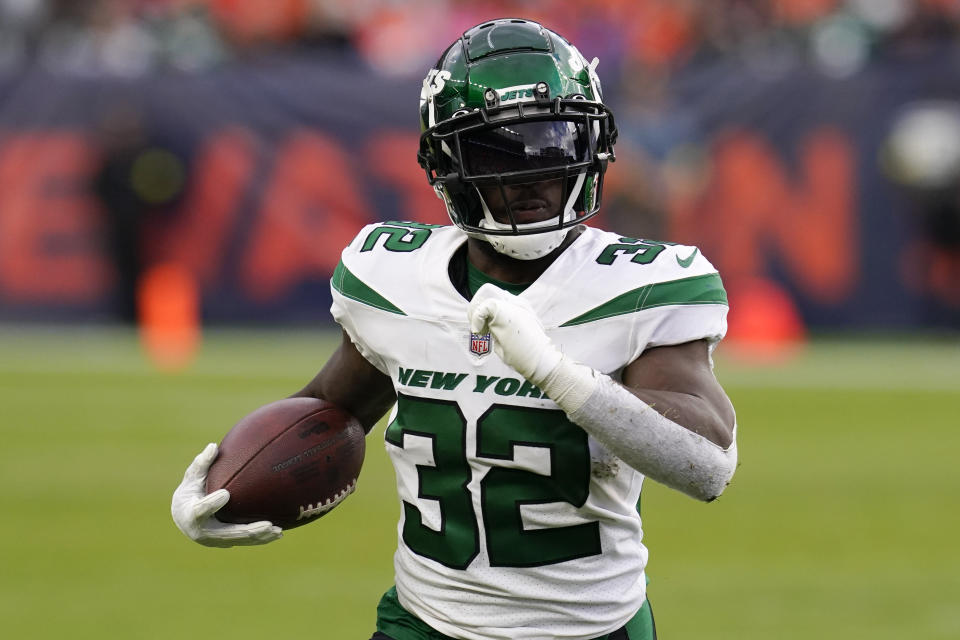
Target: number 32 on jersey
[444, 473]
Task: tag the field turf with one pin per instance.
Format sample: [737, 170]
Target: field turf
[843, 520]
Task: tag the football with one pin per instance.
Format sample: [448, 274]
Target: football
[289, 462]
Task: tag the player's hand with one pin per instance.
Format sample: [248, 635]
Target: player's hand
[518, 335]
[193, 510]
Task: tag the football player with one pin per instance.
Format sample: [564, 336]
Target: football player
[538, 369]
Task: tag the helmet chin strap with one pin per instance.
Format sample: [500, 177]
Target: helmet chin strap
[534, 245]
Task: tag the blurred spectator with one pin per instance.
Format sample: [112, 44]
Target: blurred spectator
[136, 182]
[922, 154]
[123, 140]
[131, 36]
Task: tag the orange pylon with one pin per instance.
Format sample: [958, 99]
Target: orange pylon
[168, 308]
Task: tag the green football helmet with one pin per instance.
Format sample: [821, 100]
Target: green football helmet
[512, 103]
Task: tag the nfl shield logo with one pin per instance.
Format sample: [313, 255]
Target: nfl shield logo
[480, 343]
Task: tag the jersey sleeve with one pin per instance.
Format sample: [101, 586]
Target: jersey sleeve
[691, 306]
[341, 314]
[672, 295]
[355, 303]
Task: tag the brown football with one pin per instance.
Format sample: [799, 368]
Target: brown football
[289, 462]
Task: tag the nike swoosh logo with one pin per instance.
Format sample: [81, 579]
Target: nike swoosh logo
[686, 262]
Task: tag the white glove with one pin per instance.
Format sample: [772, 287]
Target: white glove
[193, 510]
[521, 342]
[518, 336]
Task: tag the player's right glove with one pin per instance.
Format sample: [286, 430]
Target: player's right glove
[193, 510]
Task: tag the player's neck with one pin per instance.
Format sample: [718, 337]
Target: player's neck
[496, 265]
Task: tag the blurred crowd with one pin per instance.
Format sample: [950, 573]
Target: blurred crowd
[134, 37]
[681, 49]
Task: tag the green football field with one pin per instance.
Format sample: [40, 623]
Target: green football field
[843, 520]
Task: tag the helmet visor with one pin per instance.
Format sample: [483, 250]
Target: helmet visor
[525, 146]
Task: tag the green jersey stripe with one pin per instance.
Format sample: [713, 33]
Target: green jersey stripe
[354, 288]
[705, 289]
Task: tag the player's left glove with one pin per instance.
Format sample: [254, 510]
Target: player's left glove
[632, 430]
[518, 335]
[521, 342]
[192, 509]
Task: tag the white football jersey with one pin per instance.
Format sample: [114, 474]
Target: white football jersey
[514, 523]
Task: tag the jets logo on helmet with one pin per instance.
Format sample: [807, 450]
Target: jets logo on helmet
[514, 94]
[432, 85]
[513, 103]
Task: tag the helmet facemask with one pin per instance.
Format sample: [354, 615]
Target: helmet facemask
[504, 147]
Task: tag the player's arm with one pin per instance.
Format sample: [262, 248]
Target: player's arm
[670, 419]
[349, 381]
[634, 420]
[678, 382]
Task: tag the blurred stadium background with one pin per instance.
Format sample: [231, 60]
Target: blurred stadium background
[177, 178]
